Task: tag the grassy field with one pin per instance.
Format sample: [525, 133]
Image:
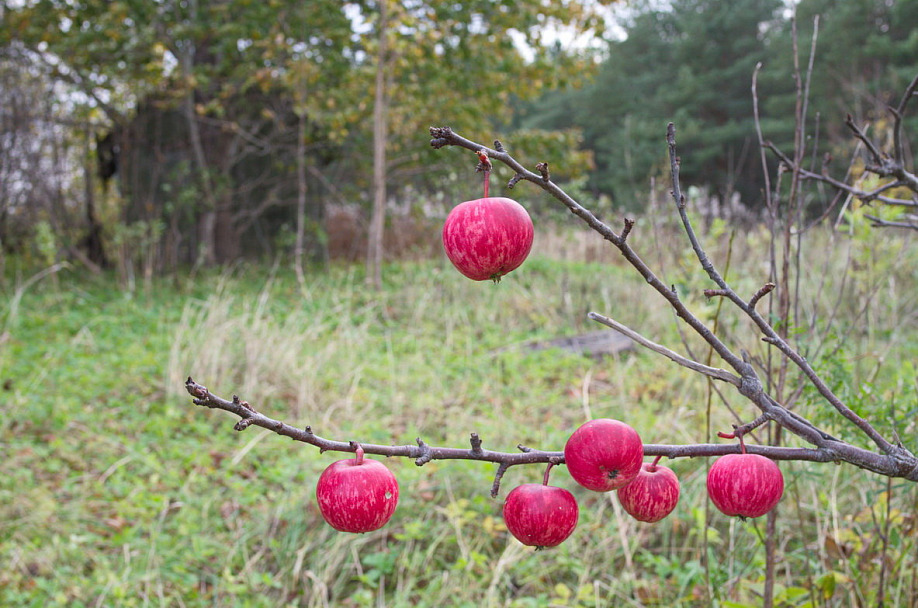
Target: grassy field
[115, 490]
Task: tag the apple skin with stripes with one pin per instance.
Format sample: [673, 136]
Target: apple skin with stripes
[488, 237]
[745, 485]
[652, 495]
[357, 494]
[540, 515]
[604, 454]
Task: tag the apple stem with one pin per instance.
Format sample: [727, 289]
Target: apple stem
[735, 435]
[485, 166]
[359, 454]
[547, 471]
[653, 465]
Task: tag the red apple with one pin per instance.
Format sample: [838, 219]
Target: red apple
[747, 485]
[604, 455]
[357, 494]
[540, 515]
[488, 237]
[652, 495]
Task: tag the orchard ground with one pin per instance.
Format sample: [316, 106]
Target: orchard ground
[115, 490]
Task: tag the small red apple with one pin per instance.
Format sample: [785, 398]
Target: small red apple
[357, 494]
[487, 237]
[604, 455]
[747, 485]
[540, 515]
[652, 495]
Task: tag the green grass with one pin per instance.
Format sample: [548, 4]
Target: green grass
[115, 490]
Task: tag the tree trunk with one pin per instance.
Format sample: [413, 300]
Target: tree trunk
[380, 103]
[301, 186]
[92, 242]
[226, 239]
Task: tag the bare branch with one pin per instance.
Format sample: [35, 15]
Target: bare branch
[741, 430]
[883, 164]
[498, 476]
[899, 113]
[881, 223]
[421, 452]
[900, 466]
[868, 143]
[712, 372]
[761, 293]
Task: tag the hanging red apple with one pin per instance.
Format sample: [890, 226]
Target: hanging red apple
[540, 515]
[487, 237]
[652, 495]
[357, 494]
[604, 454]
[747, 485]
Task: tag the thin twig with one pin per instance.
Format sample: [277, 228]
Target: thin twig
[899, 114]
[761, 293]
[712, 372]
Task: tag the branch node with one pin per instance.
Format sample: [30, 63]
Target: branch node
[523, 448]
[244, 424]
[441, 136]
[514, 180]
[475, 440]
[629, 224]
[426, 454]
[543, 171]
[196, 390]
[499, 146]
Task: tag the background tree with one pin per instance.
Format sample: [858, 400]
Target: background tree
[702, 54]
[44, 215]
[215, 74]
[206, 97]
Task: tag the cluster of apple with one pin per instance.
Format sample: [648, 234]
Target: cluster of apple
[485, 239]
[607, 455]
[360, 494]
